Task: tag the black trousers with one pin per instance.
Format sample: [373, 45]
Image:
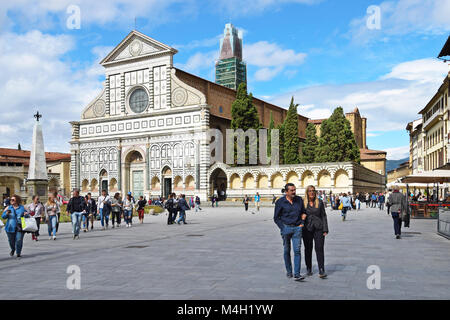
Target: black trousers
[319, 242]
[38, 222]
[246, 206]
[57, 224]
[171, 216]
[115, 214]
[397, 223]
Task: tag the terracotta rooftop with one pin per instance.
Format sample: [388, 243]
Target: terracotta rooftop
[23, 156]
[367, 154]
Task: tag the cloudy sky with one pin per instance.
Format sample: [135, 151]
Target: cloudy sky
[325, 53]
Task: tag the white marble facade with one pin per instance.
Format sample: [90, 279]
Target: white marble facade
[146, 131]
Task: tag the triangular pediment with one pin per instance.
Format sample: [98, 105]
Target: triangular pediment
[136, 45]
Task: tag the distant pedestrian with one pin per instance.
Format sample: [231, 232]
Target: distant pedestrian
[388, 205]
[6, 202]
[346, 205]
[257, 201]
[397, 202]
[116, 210]
[213, 200]
[75, 208]
[103, 208]
[183, 206]
[128, 210]
[197, 203]
[36, 210]
[51, 212]
[381, 201]
[91, 209]
[274, 199]
[289, 216]
[170, 208]
[374, 201]
[13, 228]
[141, 208]
[245, 201]
[58, 213]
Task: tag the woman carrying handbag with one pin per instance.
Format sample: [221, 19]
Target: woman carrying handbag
[13, 228]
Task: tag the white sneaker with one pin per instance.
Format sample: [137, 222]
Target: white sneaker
[54, 237]
[50, 238]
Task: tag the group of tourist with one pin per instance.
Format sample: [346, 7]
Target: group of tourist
[178, 204]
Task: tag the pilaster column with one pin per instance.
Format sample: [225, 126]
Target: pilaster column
[147, 169]
[119, 167]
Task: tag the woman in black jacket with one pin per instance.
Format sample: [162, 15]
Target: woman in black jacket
[316, 228]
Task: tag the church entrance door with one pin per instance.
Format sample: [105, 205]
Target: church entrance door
[138, 183]
[167, 187]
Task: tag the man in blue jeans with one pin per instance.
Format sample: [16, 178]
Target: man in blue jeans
[76, 207]
[289, 216]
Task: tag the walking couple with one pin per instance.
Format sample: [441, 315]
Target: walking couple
[297, 219]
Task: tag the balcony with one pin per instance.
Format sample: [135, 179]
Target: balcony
[436, 117]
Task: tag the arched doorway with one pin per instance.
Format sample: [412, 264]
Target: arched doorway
[218, 184]
[134, 173]
[103, 181]
[167, 181]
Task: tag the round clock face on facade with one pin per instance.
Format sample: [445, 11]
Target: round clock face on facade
[138, 100]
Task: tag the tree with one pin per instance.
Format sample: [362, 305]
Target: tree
[280, 148]
[244, 115]
[269, 135]
[310, 146]
[337, 142]
[291, 139]
[19, 147]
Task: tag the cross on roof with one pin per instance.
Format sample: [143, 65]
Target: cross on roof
[38, 116]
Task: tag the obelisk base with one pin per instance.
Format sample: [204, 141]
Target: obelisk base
[37, 187]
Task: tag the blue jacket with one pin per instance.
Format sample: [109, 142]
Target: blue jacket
[346, 202]
[13, 217]
[182, 205]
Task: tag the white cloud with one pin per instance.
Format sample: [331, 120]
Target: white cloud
[266, 54]
[271, 59]
[199, 61]
[389, 103]
[46, 14]
[203, 43]
[397, 153]
[236, 8]
[36, 76]
[404, 17]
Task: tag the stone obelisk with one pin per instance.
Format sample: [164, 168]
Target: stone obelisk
[37, 181]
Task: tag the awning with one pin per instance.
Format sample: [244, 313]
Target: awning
[403, 185]
[436, 176]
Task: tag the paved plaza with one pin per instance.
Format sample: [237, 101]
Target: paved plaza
[227, 253]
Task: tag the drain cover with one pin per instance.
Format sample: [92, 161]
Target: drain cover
[194, 235]
[137, 247]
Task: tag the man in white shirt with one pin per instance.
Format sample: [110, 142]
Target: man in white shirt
[104, 204]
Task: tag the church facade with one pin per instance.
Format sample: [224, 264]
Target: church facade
[147, 132]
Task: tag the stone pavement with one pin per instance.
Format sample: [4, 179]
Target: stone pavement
[226, 253]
